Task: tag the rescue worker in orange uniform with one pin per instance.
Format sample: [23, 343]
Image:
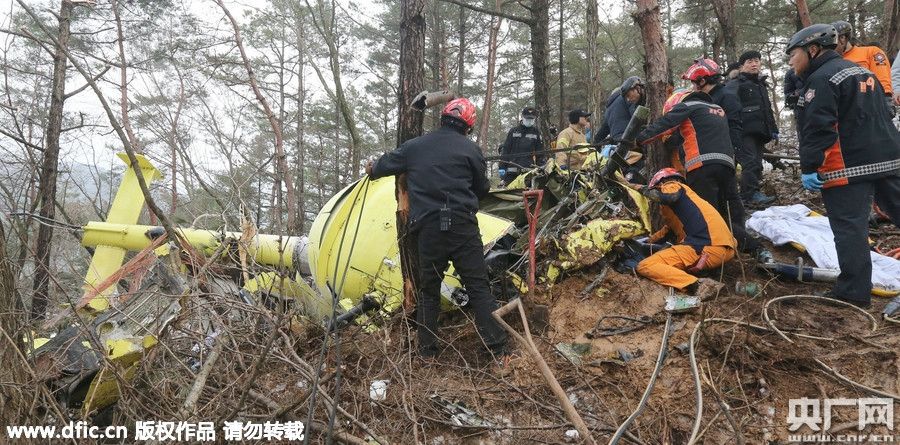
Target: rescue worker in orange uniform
[702, 237]
[871, 58]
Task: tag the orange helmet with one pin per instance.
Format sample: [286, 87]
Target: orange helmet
[701, 68]
[665, 173]
[676, 98]
[462, 109]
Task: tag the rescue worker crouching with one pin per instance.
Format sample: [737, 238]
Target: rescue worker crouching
[446, 176]
[700, 132]
[702, 237]
[519, 151]
[849, 149]
[716, 182]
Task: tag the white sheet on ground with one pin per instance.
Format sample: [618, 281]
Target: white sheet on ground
[784, 224]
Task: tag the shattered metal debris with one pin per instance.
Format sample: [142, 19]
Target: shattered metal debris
[574, 352]
[459, 414]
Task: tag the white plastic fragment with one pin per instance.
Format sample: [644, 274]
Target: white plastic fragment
[378, 389]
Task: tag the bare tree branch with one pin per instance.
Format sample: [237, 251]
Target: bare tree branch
[515, 18]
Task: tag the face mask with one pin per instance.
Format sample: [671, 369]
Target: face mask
[528, 122]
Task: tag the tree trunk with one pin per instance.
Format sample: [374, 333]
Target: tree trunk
[461, 55]
[326, 30]
[724, 10]
[647, 18]
[300, 145]
[803, 13]
[123, 80]
[890, 27]
[412, 71]
[437, 39]
[482, 139]
[50, 166]
[409, 125]
[540, 44]
[283, 173]
[562, 70]
[595, 95]
[863, 17]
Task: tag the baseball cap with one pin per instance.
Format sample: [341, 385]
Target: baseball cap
[577, 114]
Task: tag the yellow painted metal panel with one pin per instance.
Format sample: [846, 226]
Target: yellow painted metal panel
[355, 236]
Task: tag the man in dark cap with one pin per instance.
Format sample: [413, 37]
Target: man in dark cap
[758, 125]
[520, 151]
[571, 137]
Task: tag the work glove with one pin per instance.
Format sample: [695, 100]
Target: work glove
[607, 150]
[563, 167]
[502, 172]
[811, 181]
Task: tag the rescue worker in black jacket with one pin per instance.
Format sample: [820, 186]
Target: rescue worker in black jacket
[619, 107]
[722, 193]
[446, 176]
[519, 151]
[758, 122]
[849, 149]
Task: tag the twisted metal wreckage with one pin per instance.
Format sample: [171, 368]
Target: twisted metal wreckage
[127, 305]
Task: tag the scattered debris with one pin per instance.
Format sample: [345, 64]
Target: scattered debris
[378, 390]
[630, 324]
[574, 352]
[459, 414]
[681, 303]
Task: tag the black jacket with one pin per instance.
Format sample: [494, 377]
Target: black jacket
[703, 128]
[519, 148]
[725, 96]
[442, 166]
[615, 118]
[846, 130]
[756, 108]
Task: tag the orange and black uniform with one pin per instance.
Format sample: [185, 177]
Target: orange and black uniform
[706, 151]
[846, 136]
[699, 230]
[873, 59]
[703, 128]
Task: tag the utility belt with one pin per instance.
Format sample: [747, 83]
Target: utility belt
[444, 219]
[861, 170]
[697, 161]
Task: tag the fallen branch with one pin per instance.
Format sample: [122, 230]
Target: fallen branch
[528, 344]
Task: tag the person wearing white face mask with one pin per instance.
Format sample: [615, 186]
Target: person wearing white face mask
[520, 151]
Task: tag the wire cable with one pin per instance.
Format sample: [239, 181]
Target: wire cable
[827, 368]
[334, 303]
[663, 352]
[698, 389]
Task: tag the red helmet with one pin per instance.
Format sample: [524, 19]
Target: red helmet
[676, 98]
[701, 68]
[665, 173]
[461, 109]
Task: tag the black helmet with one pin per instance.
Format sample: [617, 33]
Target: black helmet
[630, 83]
[820, 33]
[843, 28]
